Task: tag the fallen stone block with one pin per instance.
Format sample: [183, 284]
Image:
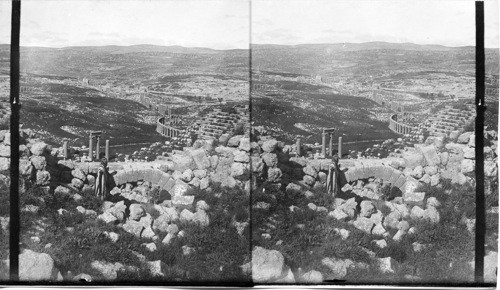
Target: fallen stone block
[183, 202]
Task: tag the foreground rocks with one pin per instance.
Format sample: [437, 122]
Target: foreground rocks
[149, 200]
[35, 266]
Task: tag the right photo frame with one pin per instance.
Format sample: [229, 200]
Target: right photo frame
[366, 113]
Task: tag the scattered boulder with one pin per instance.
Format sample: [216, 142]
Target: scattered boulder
[274, 174]
[39, 148]
[269, 145]
[417, 212]
[35, 266]
[156, 268]
[75, 182]
[464, 138]
[430, 155]
[38, 162]
[136, 211]
[312, 277]
[109, 271]
[133, 227]
[386, 265]
[267, 265]
[234, 141]
[43, 177]
[367, 208]
[339, 267]
[78, 173]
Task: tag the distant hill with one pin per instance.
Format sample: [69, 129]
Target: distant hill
[369, 58]
[133, 63]
[360, 46]
[142, 59]
[115, 49]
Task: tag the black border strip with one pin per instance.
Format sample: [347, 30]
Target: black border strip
[14, 142]
[250, 89]
[480, 199]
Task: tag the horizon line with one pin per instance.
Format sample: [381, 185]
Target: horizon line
[250, 44]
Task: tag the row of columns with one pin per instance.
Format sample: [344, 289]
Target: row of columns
[323, 147]
[97, 136]
[170, 132]
[330, 147]
[172, 119]
[91, 155]
[402, 129]
[167, 130]
[491, 91]
[398, 127]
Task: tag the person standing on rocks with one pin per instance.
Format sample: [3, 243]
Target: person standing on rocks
[102, 179]
[333, 178]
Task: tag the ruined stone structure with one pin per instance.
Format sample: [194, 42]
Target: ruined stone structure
[24, 89]
[219, 122]
[399, 127]
[97, 136]
[491, 92]
[170, 125]
[451, 119]
[262, 87]
[329, 133]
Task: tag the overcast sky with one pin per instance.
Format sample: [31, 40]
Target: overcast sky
[224, 24]
[450, 23]
[219, 24]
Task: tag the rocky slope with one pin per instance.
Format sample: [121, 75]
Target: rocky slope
[185, 216]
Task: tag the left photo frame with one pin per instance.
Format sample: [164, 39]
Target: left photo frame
[5, 152]
[134, 164]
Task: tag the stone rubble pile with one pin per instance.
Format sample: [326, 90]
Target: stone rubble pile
[157, 198]
[389, 194]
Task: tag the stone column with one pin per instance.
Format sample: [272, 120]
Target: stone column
[330, 148]
[323, 144]
[340, 147]
[97, 147]
[299, 147]
[65, 150]
[106, 150]
[91, 155]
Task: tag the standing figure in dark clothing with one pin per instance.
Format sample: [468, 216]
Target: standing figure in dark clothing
[102, 179]
[333, 178]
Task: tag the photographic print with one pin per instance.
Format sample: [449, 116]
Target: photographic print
[250, 142]
[5, 11]
[369, 106]
[124, 105]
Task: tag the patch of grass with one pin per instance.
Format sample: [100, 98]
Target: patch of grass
[77, 240]
[305, 237]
